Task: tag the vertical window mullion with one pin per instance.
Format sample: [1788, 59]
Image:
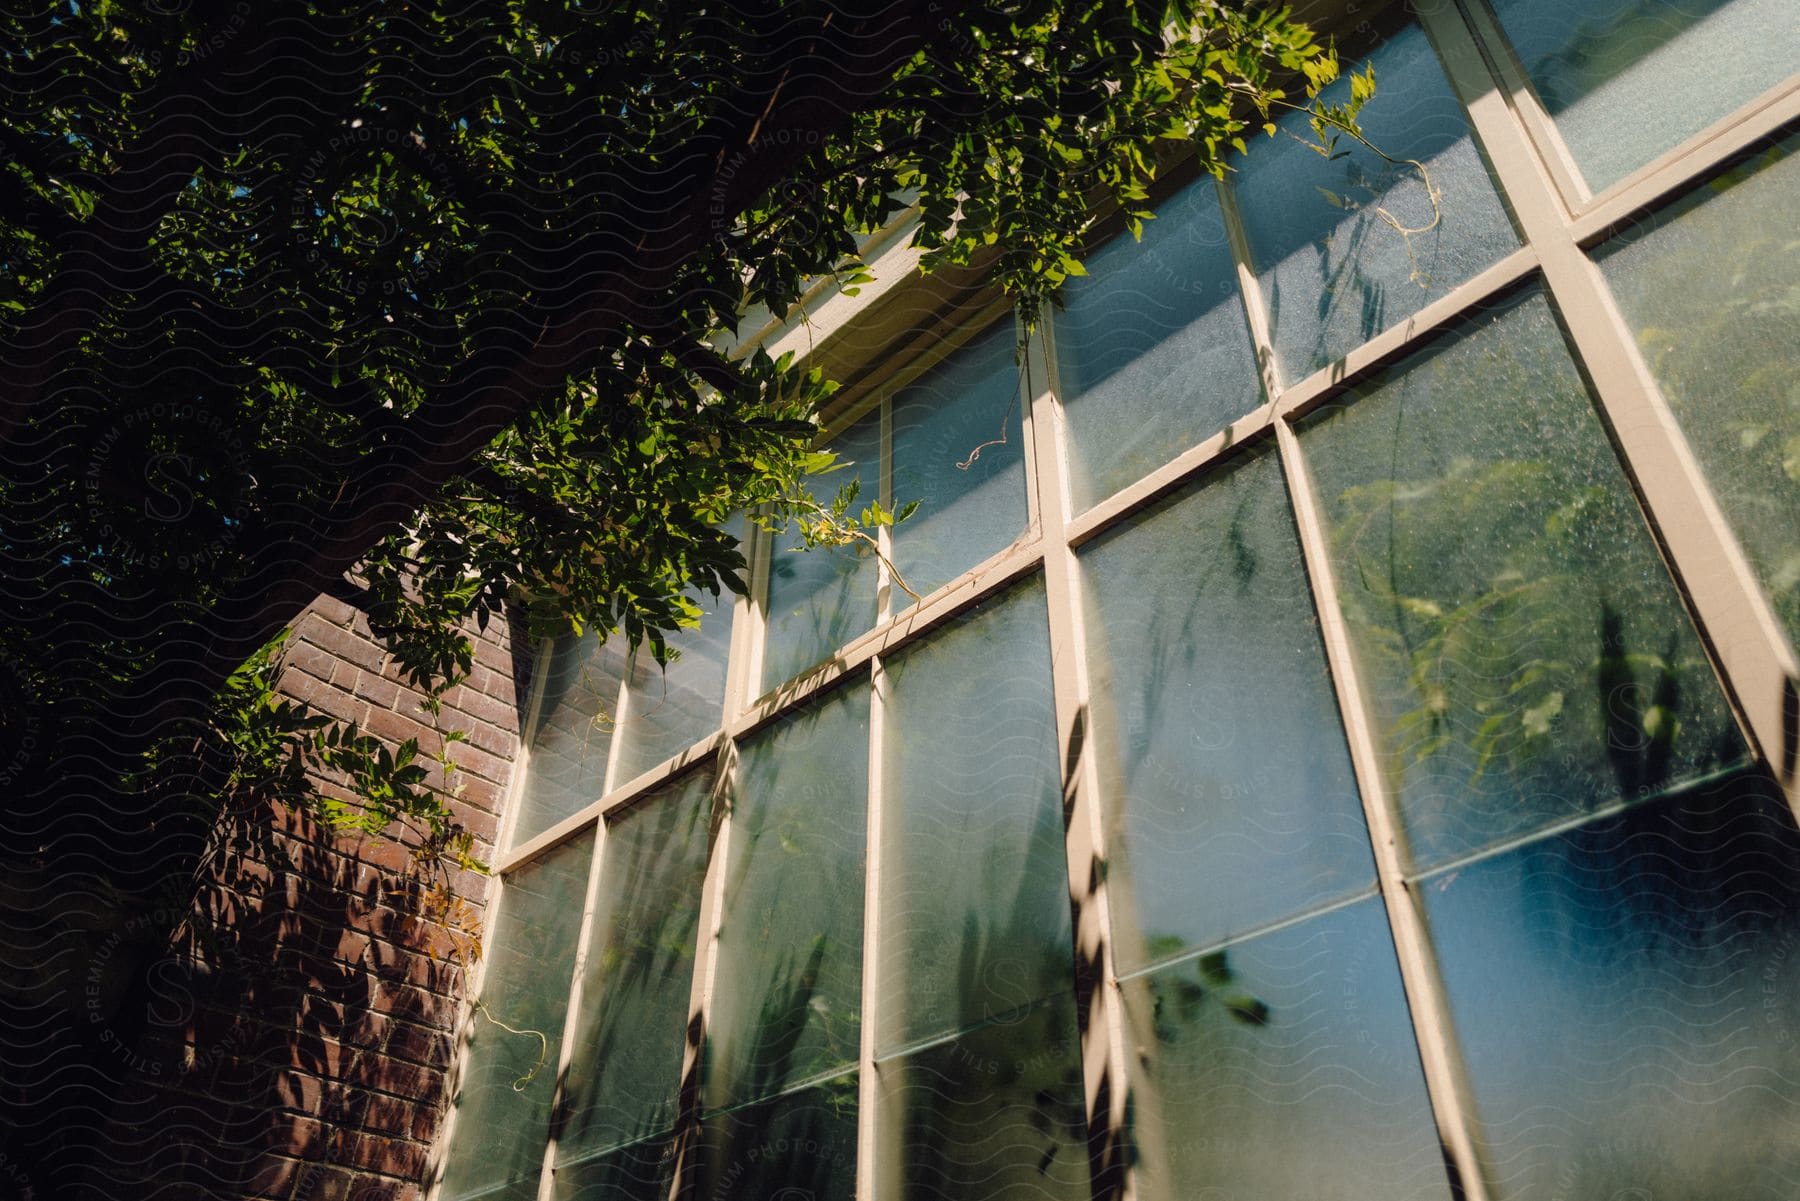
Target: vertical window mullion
[1256, 313]
[867, 1140]
[744, 664]
[572, 1013]
[528, 720]
[1503, 61]
[1446, 1076]
[1751, 651]
[1101, 1016]
[884, 535]
[712, 905]
[621, 715]
[459, 1056]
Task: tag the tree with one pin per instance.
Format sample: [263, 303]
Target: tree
[424, 305]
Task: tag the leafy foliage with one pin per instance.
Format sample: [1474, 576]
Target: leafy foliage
[439, 293]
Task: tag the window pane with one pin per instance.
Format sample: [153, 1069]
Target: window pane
[995, 1113]
[975, 894]
[502, 1125]
[788, 995]
[1224, 773]
[567, 766]
[672, 708]
[1712, 289]
[1152, 351]
[822, 598]
[1624, 995]
[1629, 79]
[966, 408]
[625, 1065]
[640, 1172]
[1283, 1066]
[801, 1147]
[1334, 271]
[1523, 645]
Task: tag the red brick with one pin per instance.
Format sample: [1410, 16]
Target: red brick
[326, 698]
[481, 794]
[329, 1184]
[474, 761]
[418, 1044]
[485, 708]
[501, 743]
[492, 655]
[389, 1115]
[315, 661]
[398, 1000]
[483, 825]
[378, 692]
[300, 1091]
[398, 726]
[332, 610]
[497, 684]
[344, 644]
[298, 1137]
[409, 1080]
[275, 1177]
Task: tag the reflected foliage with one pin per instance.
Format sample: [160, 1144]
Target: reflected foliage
[1206, 670]
[975, 918]
[622, 1079]
[788, 997]
[1282, 1065]
[996, 1112]
[799, 1146]
[503, 1102]
[1528, 653]
[1348, 244]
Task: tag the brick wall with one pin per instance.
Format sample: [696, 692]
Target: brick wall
[300, 1052]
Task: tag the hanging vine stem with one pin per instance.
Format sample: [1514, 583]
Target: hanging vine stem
[1005, 419]
[1432, 192]
[832, 532]
[518, 1086]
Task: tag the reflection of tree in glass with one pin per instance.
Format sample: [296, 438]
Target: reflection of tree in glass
[1506, 670]
[996, 1112]
[1179, 1001]
[1525, 646]
[623, 1077]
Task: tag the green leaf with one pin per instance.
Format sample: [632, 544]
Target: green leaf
[1537, 719]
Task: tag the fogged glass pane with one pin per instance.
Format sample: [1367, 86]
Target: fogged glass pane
[1224, 774]
[502, 1118]
[1284, 1066]
[567, 766]
[640, 1172]
[1711, 287]
[1524, 647]
[625, 1064]
[788, 993]
[1629, 79]
[1334, 268]
[996, 1113]
[1624, 995]
[822, 598]
[670, 708]
[1152, 351]
[800, 1147]
[958, 451]
[975, 909]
